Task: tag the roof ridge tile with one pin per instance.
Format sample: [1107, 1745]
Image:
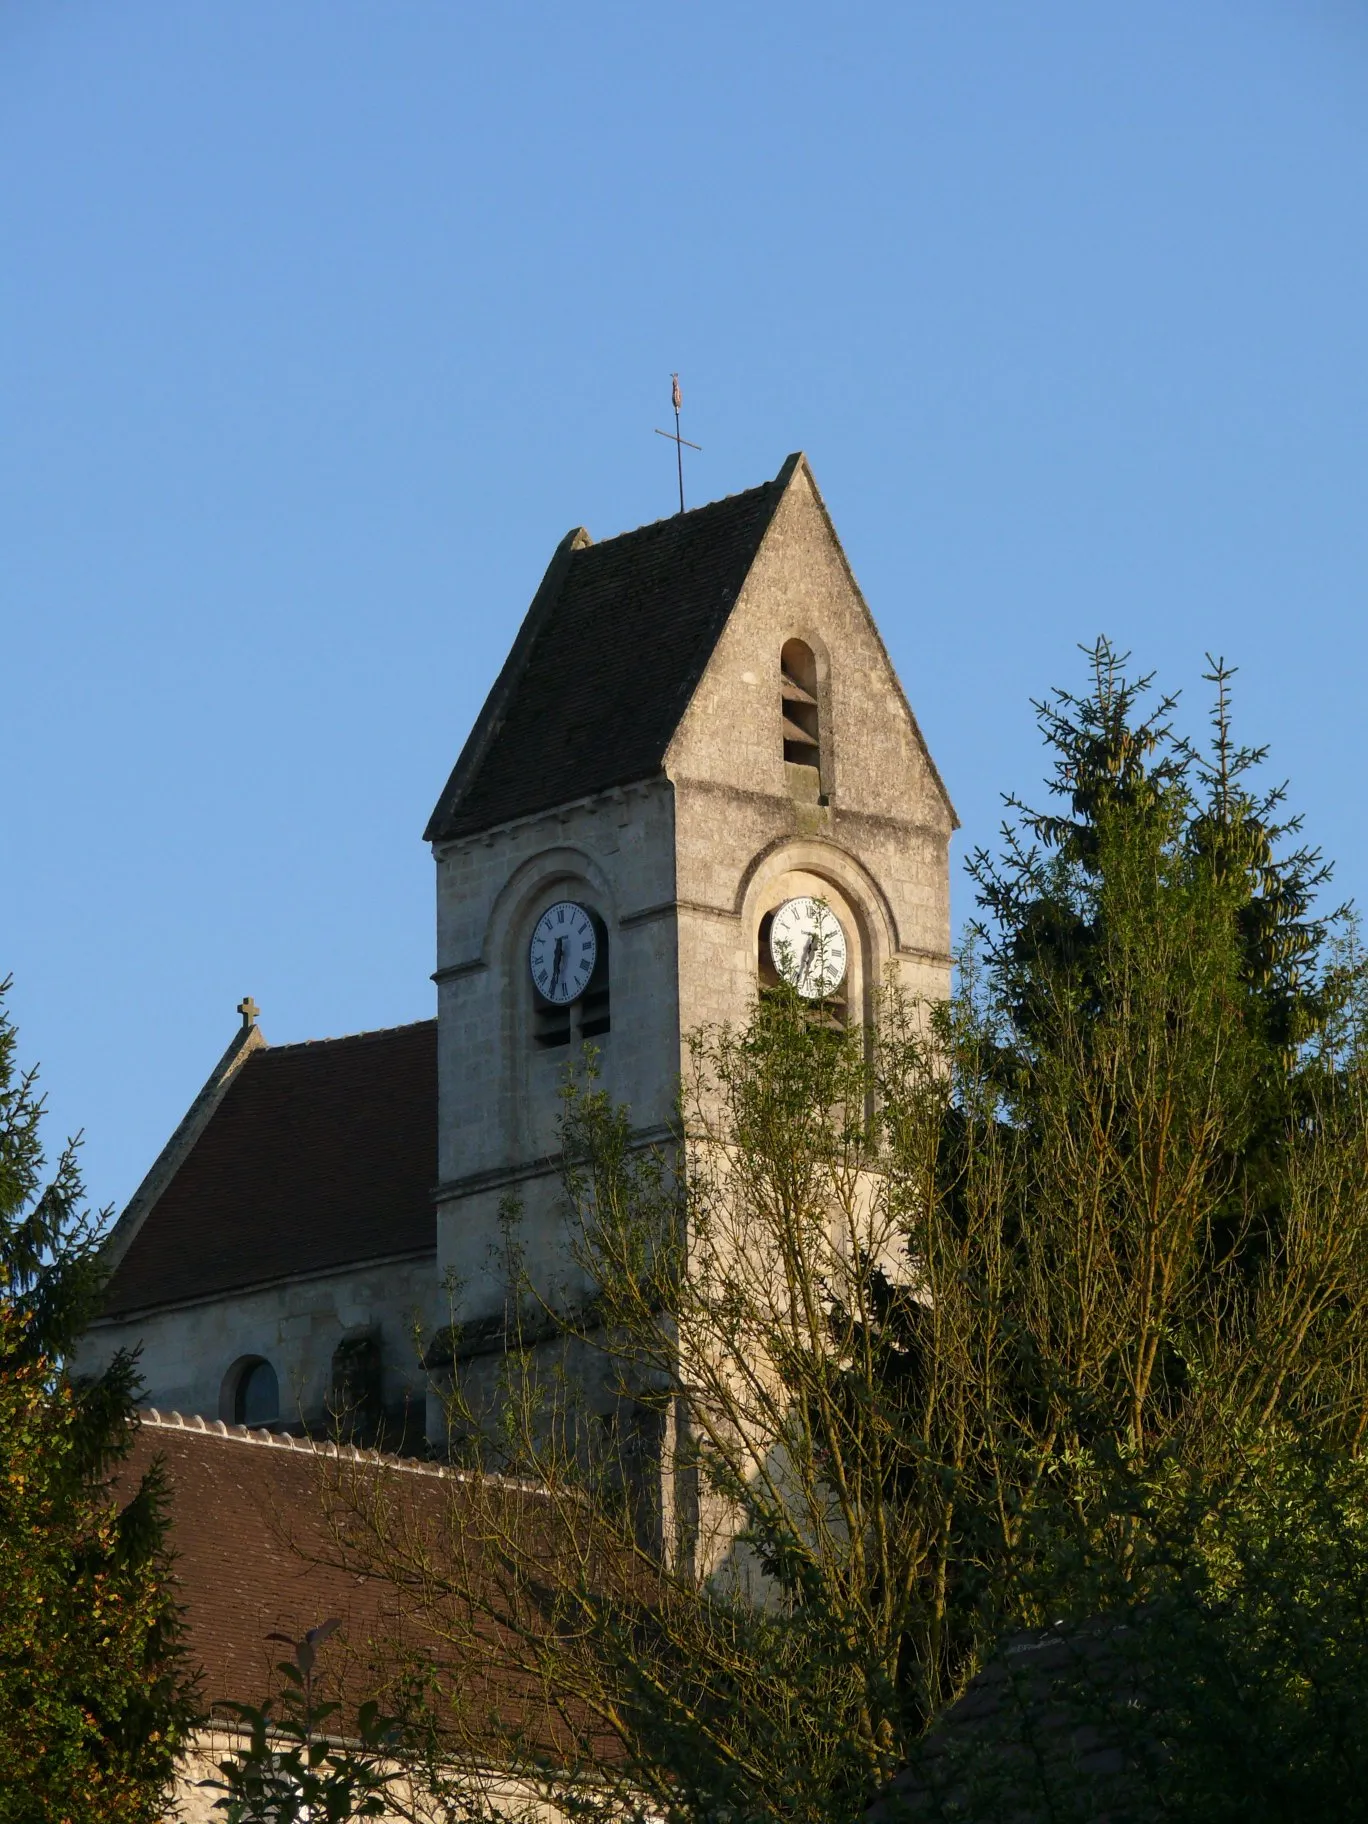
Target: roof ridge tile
[667, 519]
[348, 1038]
[283, 1440]
[262, 1436]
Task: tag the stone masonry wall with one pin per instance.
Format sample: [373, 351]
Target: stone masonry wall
[499, 1098]
[188, 1352]
[877, 849]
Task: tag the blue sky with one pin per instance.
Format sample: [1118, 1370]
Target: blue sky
[321, 323]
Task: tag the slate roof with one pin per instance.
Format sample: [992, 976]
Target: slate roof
[318, 1155]
[1049, 1722]
[605, 663]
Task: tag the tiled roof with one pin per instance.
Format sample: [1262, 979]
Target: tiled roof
[252, 1549]
[605, 664]
[1038, 1722]
[317, 1156]
[268, 1537]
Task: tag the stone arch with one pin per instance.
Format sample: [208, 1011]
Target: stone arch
[531, 1070]
[814, 855]
[790, 866]
[564, 872]
[250, 1392]
[562, 864]
[810, 635]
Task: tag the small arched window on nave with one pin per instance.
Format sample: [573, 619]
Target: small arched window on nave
[256, 1397]
[798, 704]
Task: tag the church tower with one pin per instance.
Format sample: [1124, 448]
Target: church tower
[695, 767]
[697, 733]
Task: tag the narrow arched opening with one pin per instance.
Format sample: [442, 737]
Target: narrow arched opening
[252, 1392]
[799, 709]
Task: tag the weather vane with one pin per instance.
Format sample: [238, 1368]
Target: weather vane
[676, 400]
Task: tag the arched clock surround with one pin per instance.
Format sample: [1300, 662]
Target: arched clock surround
[793, 870]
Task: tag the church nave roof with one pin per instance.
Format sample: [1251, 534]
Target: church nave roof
[316, 1157]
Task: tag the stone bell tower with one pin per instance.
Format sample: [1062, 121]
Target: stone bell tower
[697, 724]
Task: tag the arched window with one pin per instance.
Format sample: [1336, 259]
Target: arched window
[798, 702]
[256, 1396]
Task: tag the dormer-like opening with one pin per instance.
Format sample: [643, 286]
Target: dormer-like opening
[354, 1397]
[798, 704]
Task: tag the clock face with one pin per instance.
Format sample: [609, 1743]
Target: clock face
[563, 952]
[808, 947]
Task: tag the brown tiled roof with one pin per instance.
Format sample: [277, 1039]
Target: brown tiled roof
[606, 661]
[318, 1155]
[269, 1536]
[251, 1544]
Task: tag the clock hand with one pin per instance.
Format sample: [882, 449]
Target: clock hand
[806, 957]
[559, 958]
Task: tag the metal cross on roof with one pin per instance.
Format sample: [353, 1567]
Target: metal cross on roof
[680, 443]
[249, 1010]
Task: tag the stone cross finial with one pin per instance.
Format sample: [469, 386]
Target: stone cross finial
[249, 1010]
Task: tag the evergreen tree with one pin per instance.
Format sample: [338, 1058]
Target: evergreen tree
[1128, 783]
[94, 1700]
[1172, 1028]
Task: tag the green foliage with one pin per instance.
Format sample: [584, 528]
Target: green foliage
[291, 1770]
[996, 1314]
[1254, 1649]
[1236, 1692]
[94, 1701]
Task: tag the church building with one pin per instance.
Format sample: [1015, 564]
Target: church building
[697, 769]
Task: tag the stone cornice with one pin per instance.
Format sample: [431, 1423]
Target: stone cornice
[112, 1320]
[470, 1183]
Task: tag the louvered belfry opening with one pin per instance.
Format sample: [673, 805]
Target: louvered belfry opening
[595, 1014]
[798, 691]
[550, 1023]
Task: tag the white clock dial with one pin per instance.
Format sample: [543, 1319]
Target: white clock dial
[563, 952]
[808, 947]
